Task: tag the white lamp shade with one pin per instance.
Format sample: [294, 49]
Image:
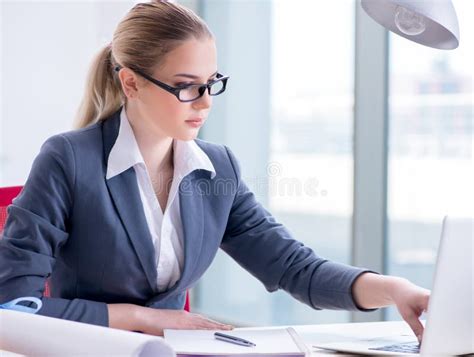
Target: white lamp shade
[442, 28]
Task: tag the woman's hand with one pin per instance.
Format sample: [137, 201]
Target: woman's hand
[153, 321]
[374, 291]
[411, 301]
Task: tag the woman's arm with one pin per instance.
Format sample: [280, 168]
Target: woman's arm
[268, 251]
[373, 291]
[35, 231]
[153, 321]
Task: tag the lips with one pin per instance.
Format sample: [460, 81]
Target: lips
[195, 122]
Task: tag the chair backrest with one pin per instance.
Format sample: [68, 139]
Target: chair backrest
[7, 194]
[187, 305]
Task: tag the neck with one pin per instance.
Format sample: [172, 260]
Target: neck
[156, 148]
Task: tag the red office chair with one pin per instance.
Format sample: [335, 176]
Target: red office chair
[187, 305]
[7, 194]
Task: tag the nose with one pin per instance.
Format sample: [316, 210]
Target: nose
[203, 102]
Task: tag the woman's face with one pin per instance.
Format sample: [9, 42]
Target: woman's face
[193, 62]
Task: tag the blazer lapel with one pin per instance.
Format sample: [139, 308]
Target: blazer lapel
[192, 217]
[124, 191]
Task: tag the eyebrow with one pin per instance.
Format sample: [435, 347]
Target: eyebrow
[192, 76]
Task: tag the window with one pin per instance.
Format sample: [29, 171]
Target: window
[307, 165]
[430, 170]
[311, 162]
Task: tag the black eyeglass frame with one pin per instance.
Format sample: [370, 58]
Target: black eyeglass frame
[176, 90]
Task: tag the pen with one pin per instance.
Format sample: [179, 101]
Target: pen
[233, 339]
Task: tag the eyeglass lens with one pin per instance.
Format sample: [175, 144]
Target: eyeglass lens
[196, 91]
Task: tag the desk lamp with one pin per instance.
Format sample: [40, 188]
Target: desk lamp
[432, 23]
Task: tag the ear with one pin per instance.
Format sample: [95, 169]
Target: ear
[130, 82]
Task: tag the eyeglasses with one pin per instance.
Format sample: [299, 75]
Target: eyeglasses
[188, 92]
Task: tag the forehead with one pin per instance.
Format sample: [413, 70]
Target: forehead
[197, 57]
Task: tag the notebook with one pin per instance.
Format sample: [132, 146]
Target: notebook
[269, 342]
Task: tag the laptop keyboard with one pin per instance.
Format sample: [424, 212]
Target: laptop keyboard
[409, 347]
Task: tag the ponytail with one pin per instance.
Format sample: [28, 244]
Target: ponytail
[103, 94]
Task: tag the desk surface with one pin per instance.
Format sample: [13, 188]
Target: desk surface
[313, 334]
[309, 335]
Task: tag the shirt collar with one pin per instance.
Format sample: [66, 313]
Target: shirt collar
[125, 153]
[188, 157]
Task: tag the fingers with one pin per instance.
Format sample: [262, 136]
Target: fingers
[415, 325]
[426, 302]
[210, 325]
[160, 319]
[204, 323]
[411, 303]
[219, 325]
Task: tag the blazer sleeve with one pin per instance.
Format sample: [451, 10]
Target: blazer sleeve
[35, 230]
[267, 250]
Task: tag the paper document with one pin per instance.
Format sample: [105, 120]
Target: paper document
[273, 342]
[4, 353]
[36, 335]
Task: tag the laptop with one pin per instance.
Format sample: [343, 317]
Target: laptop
[449, 327]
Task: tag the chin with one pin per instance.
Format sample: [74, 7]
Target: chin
[188, 136]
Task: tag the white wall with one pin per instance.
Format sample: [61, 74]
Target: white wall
[45, 52]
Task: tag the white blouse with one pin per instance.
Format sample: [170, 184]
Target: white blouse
[165, 227]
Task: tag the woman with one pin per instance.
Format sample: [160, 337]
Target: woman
[126, 213]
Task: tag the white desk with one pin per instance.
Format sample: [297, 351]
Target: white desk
[313, 334]
[39, 331]
[346, 332]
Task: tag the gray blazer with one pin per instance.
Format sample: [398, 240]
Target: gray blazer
[90, 235]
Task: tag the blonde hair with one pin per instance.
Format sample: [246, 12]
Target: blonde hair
[142, 39]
